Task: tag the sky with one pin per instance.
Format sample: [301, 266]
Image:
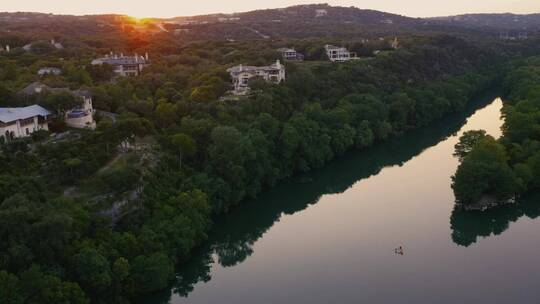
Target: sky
[172, 8]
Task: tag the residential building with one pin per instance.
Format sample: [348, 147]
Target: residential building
[242, 74]
[339, 54]
[49, 71]
[290, 54]
[124, 65]
[395, 44]
[22, 122]
[321, 13]
[81, 117]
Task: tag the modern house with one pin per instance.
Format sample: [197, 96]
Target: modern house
[81, 117]
[242, 74]
[124, 65]
[22, 122]
[49, 71]
[339, 54]
[290, 54]
[321, 13]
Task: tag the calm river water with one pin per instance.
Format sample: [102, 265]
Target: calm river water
[329, 236]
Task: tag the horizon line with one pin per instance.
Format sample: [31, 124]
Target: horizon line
[259, 9]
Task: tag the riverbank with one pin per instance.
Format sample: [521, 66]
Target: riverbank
[235, 234]
[339, 230]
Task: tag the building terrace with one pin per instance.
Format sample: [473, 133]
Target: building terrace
[242, 74]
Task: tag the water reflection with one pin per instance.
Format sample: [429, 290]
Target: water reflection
[233, 236]
[468, 227]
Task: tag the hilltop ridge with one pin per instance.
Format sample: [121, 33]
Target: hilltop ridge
[300, 21]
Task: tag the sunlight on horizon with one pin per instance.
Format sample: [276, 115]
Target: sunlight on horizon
[168, 8]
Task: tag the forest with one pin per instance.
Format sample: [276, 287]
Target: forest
[185, 156]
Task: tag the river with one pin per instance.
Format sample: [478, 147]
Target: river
[329, 236]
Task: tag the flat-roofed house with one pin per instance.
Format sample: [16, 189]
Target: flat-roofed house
[242, 74]
[338, 53]
[124, 65]
[49, 71]
[290, 54]
[22, 122]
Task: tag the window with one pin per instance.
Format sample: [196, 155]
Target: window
[26, 121]
[27, 131]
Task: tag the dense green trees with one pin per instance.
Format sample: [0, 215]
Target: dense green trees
[468, 142]
[484, 171]
[205, 155]
[509, 166]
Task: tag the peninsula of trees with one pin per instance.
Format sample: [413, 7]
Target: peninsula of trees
[500, 170]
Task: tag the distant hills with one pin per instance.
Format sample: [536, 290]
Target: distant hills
[295, 21]
[302, 21]
[493, 21]
[315, 13]
[326, 20]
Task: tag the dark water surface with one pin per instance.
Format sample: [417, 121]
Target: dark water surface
[329, 236]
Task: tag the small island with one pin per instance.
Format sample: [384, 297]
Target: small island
[484, 179]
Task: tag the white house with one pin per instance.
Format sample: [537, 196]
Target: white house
[321, 13]
[22, 122]
[124, 65]
[339, 54]
[49, 71]
[290, 54]
[241, 75]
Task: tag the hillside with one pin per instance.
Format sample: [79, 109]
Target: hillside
[302, 21]
[294, 22]
[500, 22]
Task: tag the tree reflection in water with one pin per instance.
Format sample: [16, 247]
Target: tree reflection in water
[469, 226]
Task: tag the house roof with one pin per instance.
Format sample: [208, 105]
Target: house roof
[49, 69]
[125, 60]
[38, 87]
[252, 69]
[33, 88]
[8, 115]
[283, 50]
[333, 47]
